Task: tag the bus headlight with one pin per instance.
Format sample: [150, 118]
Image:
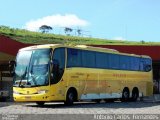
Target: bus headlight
[42, 91]
[15, 92]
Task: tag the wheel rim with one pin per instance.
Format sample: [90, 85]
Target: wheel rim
[135, 96]
[125, 94]
[71, 97]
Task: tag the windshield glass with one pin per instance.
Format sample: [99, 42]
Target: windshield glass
[32, 68]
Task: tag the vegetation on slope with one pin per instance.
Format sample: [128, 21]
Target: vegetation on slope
[26, 36]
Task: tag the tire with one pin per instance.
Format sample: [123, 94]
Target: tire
[125, 95]
[135, 94]
[109, 100]
[97, 100]
[40, 103]
[70, 98]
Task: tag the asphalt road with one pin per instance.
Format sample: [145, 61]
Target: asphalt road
[85, 108]
[81, 108]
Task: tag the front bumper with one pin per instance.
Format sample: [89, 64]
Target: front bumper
[31, 98]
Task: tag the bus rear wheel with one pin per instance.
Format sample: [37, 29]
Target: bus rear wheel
[97, 100]
[125, 95]
[135, 94]
[40, 103]
[109, 100]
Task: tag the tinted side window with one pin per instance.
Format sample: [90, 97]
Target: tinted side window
[74, 58]
[113, 61]
[59, 55]
[101, 60]
[135, 63]
[124, 62]
[141, 68]
[147, 64]
[148, 61]
[58, 65]
[88, 59]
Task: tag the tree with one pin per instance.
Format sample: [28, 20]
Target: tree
[79, 31]
[45, 28]
[68, 30]
[142, 41]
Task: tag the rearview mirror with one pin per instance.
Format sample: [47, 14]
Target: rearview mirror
[12, 65]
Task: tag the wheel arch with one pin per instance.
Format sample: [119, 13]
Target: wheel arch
[126, 88]
[135, 89]
[74, 90]
[123, 98]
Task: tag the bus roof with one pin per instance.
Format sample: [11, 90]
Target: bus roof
[83, 47]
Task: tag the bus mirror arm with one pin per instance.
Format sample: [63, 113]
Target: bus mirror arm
[51, 62]
[12, 65]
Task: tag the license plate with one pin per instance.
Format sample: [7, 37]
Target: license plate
[28, 97]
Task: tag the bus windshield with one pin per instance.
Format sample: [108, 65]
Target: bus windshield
[32, 68]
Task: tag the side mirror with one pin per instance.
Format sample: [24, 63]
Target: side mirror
[51, 62]
[12, 65]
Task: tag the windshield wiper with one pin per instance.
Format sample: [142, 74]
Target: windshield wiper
[33, 78]
[22, 78]
[22, 86]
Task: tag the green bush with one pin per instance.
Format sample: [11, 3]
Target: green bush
[26, 36]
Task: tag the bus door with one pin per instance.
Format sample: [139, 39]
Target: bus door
[57, 70]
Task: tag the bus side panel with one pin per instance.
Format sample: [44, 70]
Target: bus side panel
[149, 88]
[109, 83]
[76, 78]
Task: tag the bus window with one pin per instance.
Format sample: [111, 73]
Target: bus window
[142, 65]
[147, 64]
[124, 62]
[74, 58]
[88, 59]
[135, 63]
[101, 60]
[114, 61]
[58, 65]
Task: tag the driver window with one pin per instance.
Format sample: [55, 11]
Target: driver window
[58, 64]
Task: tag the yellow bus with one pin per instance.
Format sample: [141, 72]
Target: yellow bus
[54, 72]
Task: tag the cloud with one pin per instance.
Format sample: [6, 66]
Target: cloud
[68, 20]
[119, 38]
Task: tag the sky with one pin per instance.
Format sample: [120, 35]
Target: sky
[131, 20]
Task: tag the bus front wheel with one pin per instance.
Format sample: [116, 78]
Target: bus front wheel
[40, 103]
[70, 98]
[97, 100]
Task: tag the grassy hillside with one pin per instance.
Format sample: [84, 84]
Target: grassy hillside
[25, 36]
